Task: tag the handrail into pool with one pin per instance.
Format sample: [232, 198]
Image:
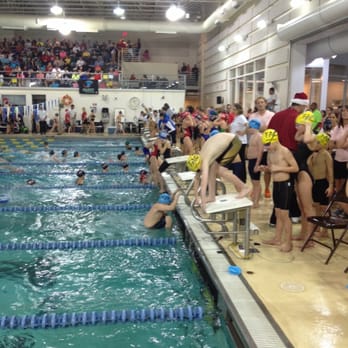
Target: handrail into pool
[56, 320]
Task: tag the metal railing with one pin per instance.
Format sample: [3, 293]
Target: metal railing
[105, 80]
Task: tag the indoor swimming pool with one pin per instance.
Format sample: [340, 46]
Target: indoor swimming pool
[77, 267]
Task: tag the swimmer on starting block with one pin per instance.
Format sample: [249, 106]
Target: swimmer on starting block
[216, 154]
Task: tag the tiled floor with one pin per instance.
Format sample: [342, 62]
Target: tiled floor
[308, 299]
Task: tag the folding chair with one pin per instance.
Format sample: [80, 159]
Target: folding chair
[330, 222]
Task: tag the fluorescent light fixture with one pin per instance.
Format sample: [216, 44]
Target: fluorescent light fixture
[165, 32]
[13, 27]
[119, 11]
[175, 13]
[56, 10]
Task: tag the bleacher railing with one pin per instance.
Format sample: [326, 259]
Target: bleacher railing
[105, 80]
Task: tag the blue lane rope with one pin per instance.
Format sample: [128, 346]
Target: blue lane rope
[79, 148]
[80, 164]
[67, 173]
[80, 207]
[88, 244]
[83, 187]
[60, 320]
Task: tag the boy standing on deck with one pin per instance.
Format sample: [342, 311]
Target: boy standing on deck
[280, 162]
[254, 154]
[320, 165]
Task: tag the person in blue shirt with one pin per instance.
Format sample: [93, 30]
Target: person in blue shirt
[167, 124]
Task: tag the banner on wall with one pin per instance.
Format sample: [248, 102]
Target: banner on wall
[88, 87]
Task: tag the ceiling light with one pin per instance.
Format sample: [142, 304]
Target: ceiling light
[175, 13]
[56, 10]
[261, 24]
[238, 38]
[334, 56]
[119, 11]
[222, 48]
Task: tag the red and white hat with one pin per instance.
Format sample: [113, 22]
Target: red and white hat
[300, 99]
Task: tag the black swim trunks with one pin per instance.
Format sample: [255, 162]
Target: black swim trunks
[160, 224]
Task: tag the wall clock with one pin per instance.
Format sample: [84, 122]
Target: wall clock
[134, 103]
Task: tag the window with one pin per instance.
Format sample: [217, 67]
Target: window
[247, 82]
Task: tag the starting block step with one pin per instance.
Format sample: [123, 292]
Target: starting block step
[228, 202]
[187, 176]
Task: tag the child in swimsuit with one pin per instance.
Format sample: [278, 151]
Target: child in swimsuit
[280, 162]
[157, 217]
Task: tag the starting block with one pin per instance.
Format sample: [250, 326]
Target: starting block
[230, 206]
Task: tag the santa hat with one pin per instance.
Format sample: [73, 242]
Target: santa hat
[300, 99]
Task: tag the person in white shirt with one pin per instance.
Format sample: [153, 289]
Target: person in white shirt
[239, 127]
[264, 116]
[273, 102]
[42, 120]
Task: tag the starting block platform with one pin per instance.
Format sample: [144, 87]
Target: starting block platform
[178, 159]
[228, 202]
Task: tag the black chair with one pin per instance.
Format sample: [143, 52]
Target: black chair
[330, 222]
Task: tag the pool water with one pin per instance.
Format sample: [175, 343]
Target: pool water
[85, 280]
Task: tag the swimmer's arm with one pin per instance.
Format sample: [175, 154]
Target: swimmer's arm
[330, 174]
[260, 148]
[308, 135]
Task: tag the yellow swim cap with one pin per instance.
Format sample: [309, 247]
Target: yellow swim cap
[323, 139]
[269, 136]
[305, 117]
[194, 162]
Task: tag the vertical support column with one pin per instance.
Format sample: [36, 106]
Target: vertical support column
[297, 68]
[324, 83]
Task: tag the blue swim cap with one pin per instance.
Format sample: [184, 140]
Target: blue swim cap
[164, 198]
[213, 132]
[254, 123]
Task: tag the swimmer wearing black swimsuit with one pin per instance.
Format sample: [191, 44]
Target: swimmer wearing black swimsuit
[230, 153]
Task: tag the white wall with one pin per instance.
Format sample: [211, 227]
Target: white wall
[107, 98]
[259, 43]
